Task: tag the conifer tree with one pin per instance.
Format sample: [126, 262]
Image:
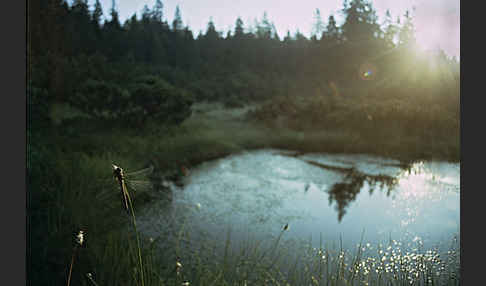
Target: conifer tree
[97, 14]
[332, 33]
[239, 31]
[390, 30]
[318, 26]
[157, 11]
[146, 13]
[361, 21]
[211, 33]
[406, 35]
[264, 28]
[177, 22]
[79, 29]
[114, 21]
[113, 35]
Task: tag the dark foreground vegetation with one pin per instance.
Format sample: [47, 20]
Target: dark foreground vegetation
[103, 92]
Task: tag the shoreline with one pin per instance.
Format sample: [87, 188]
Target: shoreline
[210, 135]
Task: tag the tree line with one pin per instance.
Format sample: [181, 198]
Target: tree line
[77, 57]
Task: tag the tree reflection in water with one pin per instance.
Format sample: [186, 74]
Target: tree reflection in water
[346, 191]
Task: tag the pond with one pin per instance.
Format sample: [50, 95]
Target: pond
[328, 199]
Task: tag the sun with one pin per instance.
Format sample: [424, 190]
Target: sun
[433, 36]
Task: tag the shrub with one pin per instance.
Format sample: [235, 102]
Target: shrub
[147, 97]
[100, 99]
[155, 98]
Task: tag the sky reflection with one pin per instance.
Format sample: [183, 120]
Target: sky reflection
[259, 192]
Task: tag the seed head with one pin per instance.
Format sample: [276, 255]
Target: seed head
[80, 238]
[178, 268]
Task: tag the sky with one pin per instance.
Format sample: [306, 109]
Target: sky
[437, 22]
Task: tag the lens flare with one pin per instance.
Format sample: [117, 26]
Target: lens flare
[367, 71]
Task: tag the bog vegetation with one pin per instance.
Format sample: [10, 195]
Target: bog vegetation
[101, 91]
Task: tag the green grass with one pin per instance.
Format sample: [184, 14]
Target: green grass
[279, 262]
[71, 188]
[403, 126]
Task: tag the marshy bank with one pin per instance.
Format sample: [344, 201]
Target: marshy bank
[361, 218]
[322, 125]
[70, 166]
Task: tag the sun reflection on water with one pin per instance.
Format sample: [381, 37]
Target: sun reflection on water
[415, 183]
[425, 195]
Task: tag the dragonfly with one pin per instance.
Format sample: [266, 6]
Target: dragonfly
[125, 181]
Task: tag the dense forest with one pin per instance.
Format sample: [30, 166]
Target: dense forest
[146, 66]
[95, 83]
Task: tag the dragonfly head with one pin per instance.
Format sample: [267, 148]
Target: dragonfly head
[117, 171]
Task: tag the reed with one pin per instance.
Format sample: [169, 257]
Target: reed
[70, 188]
[79, 243]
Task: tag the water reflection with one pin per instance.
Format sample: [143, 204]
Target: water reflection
[259, 192]
[343, 193]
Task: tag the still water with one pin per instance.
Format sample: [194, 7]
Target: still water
[324, 198]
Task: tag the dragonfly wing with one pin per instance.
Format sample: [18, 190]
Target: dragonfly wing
[140, 185]
[106, 192]
[105, 195]
[142, 172]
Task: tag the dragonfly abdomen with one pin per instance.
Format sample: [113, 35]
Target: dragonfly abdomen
[118, 174]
